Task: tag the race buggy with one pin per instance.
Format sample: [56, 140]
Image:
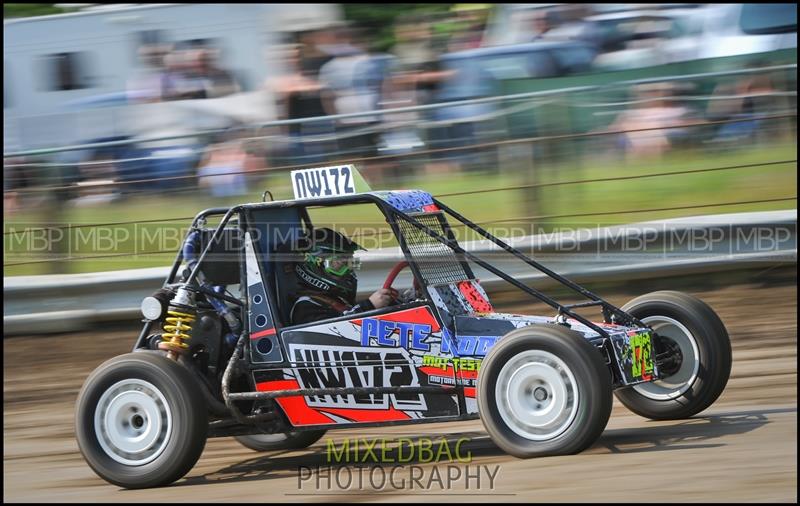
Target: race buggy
[210, 363]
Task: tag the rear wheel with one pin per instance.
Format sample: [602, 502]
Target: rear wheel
[141, 421]
[281, 441]
[691, 331]
[544, 390]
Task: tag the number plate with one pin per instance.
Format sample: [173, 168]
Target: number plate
[324, 182]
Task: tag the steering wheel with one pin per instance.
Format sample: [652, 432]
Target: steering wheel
[393, 275]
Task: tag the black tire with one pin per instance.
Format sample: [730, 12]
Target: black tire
[590, 380]
[121, 384]
[713, 351]
[280, 441]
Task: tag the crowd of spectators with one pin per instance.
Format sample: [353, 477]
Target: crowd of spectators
[186, 70]
[338, 73]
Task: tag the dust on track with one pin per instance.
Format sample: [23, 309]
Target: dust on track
[743, 448]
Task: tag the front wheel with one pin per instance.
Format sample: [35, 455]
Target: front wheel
[141, 420]
[700, 365]
[280, 441]
[544, 390]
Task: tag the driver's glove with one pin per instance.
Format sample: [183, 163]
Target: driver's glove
[407, 295]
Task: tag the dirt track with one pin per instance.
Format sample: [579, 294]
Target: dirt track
[743, 448]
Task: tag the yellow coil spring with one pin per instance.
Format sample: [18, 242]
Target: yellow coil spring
[177, 329]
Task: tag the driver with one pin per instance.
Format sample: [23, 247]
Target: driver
[328, 282]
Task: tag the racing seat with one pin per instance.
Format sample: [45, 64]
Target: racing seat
[279, 231]
[221, 266]
[285, 285]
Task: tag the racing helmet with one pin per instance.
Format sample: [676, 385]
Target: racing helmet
[328, 265]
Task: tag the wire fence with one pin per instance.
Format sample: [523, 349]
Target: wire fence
[563, 97]
[384, 127]
[423, 152]
[66, 226]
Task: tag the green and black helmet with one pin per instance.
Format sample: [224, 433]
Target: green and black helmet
[328, 264]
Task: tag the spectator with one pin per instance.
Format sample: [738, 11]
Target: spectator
[572, 25]
[416, 67]
[318, 47]
[217, 82]
[255, 160]
[471, 20]
[96, 177]
[413, 47]
[222, 169]
[745, 99]
[645, 124]
[409, 83]
[542, 21]
[299, 95]
[17, 176]
[194, 74]
[353, 84]
[149, 84]
[179, 82]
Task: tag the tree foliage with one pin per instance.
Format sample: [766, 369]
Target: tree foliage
[28, 10]
[379, 19]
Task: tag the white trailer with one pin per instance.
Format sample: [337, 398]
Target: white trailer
[52, 63]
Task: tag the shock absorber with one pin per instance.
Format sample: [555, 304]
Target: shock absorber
[178, 324]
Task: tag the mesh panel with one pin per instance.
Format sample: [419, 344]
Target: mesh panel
[437, 263]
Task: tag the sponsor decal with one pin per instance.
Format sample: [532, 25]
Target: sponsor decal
[370, 367]
[642, 360]
[475, 295]
[395, 334]
[439, 372]
[477, 346]
[459, 364]
[311, 281]
[442, 380]
[450, 381]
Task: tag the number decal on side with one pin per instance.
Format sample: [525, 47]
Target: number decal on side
[642, 359]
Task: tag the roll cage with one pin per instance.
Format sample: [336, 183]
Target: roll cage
[402, 219]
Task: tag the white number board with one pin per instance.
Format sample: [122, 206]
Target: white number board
[324, 182]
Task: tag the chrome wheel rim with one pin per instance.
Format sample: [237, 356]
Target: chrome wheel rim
[683, 379]
[133, 422]
[537, 395]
